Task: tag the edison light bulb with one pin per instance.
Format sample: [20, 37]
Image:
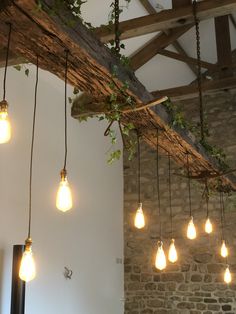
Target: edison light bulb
[191, 231]
[208, 226]
[224, 250]
[139, 220]
[64, 195]
[27, 267]
[5, 126]
[172, 256]
[227, 275]
[160, 262]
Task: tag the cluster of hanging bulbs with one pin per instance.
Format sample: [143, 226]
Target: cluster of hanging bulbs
[160, 260]
[64, 201]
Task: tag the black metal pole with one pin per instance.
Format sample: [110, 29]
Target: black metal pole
[18, 285]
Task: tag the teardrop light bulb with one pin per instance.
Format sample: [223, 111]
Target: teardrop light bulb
[139, 220]
[64, 196]
[227, 275]
[208, 226]
[5, 126]
[191, 231]
[224, 250]
[27, 267]
[160, 262]
[172, 256]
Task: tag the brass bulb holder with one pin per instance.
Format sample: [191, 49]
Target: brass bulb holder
[3, 106]
[63, 174]
[28, 244]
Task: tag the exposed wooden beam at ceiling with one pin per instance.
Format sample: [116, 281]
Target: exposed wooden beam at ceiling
[191, 91]
[168, 19]
[187, 59]
[223, 44]
[147, 5]
[152, 48]
[91, 69]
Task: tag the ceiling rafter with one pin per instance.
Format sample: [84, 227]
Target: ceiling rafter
[167, 19]
[152, 48]
[191, 91]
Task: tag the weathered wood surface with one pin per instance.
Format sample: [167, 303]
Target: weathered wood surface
[168, 19]
[90, 69]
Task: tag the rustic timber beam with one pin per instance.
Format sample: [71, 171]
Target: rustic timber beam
[153, 47]
[91, 68]
[190, 91]
[167, 19]
[223, 44]
[187, 59]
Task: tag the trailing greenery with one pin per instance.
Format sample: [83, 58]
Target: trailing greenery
[178, 120]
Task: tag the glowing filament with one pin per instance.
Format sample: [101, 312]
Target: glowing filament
[227, 275]
[5, 126]
[172, 256]
[27, 267]
[208, 226]
[224, 250]
[191, 231]
[139, 220]
[64, 196]
[160, 262]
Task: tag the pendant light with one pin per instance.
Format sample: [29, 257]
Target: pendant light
[27, 267]
[191, 230]
[160, 262]
[172, 255]
[223, 250]
[208, 224]
[227, 275]
[64, 200]
[139, 221]
[5, 126]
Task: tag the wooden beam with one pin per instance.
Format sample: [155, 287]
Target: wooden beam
[223, 44]
[147, 5]
[180, 3]
[187, 59]
[191, 91]
[167, 19]
[91, 68]
[153, 47]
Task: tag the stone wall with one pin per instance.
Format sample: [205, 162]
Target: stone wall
[195, 283]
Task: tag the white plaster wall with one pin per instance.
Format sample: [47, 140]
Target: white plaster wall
[90, 237]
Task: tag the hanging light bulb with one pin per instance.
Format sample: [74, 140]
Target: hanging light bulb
[27, 270]
[172, 256]
[5, 126]
[191, 231]
[64, 196]
[227, 275]
[27, 266]
[139, 220]
[160, 257]
[224, 250]
[208, 226]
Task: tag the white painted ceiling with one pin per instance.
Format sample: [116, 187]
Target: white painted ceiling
[160, 72]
